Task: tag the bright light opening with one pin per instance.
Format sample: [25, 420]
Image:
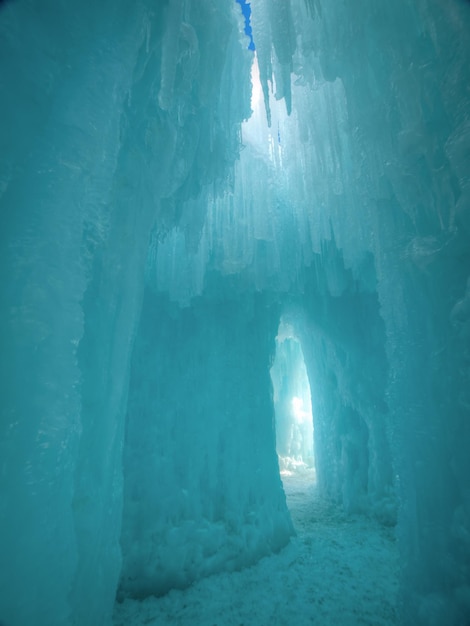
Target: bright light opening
[266, 142]
[292, 406]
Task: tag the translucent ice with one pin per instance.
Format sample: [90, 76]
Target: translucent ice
[153, 231]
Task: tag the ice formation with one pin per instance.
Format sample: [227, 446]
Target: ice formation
[158, 216]
[292, 404]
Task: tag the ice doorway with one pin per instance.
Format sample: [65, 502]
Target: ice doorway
[292, 407]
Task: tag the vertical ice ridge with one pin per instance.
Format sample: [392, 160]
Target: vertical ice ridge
[170, 53]
[126, 177]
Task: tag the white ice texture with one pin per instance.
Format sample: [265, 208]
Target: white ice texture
[165, 198]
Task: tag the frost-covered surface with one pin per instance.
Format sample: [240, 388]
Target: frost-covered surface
[363, 221]
[337, 570]
[99, 139]
[125, 175]
[202, 491]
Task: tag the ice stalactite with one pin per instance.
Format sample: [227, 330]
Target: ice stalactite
[130, 173]
[364, 221]
[90, 167]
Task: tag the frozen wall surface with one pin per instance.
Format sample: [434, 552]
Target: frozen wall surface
[202, 490]
[151, 237]
[110, 113]
[68, 304]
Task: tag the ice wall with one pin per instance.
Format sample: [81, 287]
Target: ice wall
[343, 345]
[362, 219]
[202, 487]
[403, 198]
[120, 124]
[64, 85]
[110, 113]
[396, 168]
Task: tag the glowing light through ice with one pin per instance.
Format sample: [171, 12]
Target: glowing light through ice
[292, 404]
[301, 415]
[257, 91]
[266, 140]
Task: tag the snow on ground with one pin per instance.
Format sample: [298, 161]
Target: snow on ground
[339, 570]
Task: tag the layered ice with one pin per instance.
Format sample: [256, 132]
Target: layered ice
[166, 196]
[91, 166]
[202, 491]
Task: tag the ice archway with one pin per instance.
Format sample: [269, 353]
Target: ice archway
[149, 243]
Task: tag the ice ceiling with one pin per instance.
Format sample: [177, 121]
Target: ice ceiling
[153, 232]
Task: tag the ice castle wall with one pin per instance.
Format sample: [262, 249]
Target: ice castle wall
[120, 121]
[404, 198]
[365, 211]
[202, 487]
[64, 87]
[105, 121]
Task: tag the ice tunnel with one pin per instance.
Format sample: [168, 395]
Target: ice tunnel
[167, 196]
[292, 404]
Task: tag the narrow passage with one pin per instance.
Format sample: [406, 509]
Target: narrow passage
[339, 570]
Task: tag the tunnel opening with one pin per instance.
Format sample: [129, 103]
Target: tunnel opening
[292, 408]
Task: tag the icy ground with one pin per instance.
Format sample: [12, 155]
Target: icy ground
[339, 570]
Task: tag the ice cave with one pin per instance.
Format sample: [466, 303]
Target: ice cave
[215, 214]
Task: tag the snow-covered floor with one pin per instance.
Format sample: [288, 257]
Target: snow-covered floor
[339, 570]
